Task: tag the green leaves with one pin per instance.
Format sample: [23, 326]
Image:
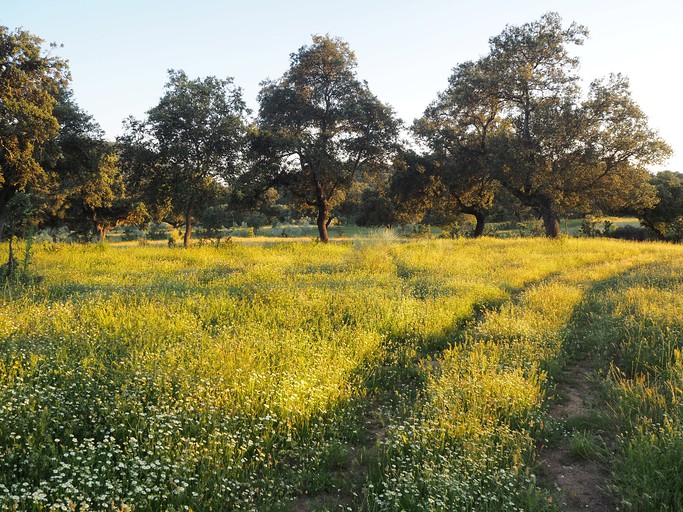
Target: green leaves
[29, 83]
[666, 217]
[325, 126]
[191, 143]
[520, 111]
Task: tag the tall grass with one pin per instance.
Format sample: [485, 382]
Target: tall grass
[469, 443]
[638, 328]
[227, 378]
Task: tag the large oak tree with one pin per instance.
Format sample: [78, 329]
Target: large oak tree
[190, 142]
[322, 127]
[551, 147]
[30, 80]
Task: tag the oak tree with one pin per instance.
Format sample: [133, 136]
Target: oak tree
[191, 141]
[458, 128]
[92, 194]
[30, 79]
[322, 127]
[547, 144]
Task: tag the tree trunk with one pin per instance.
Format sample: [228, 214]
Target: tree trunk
[322, 221]
[658, 232]
[2, 223]
[551, 221]
[102, 233]
[479, 227]
[188, 228]
[10, 261]
[4, 199]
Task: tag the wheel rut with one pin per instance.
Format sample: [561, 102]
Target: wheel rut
[582, 481]
[383, 408]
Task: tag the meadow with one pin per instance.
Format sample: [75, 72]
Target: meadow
[374, 374]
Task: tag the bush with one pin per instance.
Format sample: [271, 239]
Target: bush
[246, 232]
[54, 235]
[634, 233]
[417, 231]
[589, 226]
[160, 231]
[131, 233]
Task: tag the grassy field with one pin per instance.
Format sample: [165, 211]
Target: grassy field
[306, 231]
[361, 375]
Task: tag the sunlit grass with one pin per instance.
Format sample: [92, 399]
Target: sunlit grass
[224, 378]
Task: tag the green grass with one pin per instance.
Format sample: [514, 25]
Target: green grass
[242, 377]
[637, 329]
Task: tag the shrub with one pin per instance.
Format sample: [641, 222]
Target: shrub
[160, 231]
[634, 233]
[131, 233]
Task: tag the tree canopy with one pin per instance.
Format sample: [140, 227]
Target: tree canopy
[518, 116]
[91, 193]
[192, 141]
[323, 127]
[513, 128]
[30, 80]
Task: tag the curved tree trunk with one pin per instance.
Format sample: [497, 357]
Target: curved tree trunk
[480, 217]
[322, 221]
[481, 223]
[652, 226]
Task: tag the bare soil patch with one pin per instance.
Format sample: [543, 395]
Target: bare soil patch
[582, 482]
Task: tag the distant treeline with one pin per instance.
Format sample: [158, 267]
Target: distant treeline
[511, 137]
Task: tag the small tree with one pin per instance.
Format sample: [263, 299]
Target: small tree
[93, 194]
[16, 220]
[412, 187]
[321, 127]
[376, 209]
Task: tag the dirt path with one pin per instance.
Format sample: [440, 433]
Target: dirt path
[581, 481]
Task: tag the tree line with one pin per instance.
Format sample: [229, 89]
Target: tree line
[512, 131]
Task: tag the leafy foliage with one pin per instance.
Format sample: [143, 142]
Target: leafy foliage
[517, 116]
[666, 217]
[320, 127]
[94, 192]
[30, 80]
[190, 146]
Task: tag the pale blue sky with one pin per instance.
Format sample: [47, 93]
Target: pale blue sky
[119, 51]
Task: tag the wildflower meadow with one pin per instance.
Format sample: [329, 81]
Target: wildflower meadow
[375, 375]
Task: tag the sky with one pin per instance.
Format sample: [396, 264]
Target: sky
[119, 52]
